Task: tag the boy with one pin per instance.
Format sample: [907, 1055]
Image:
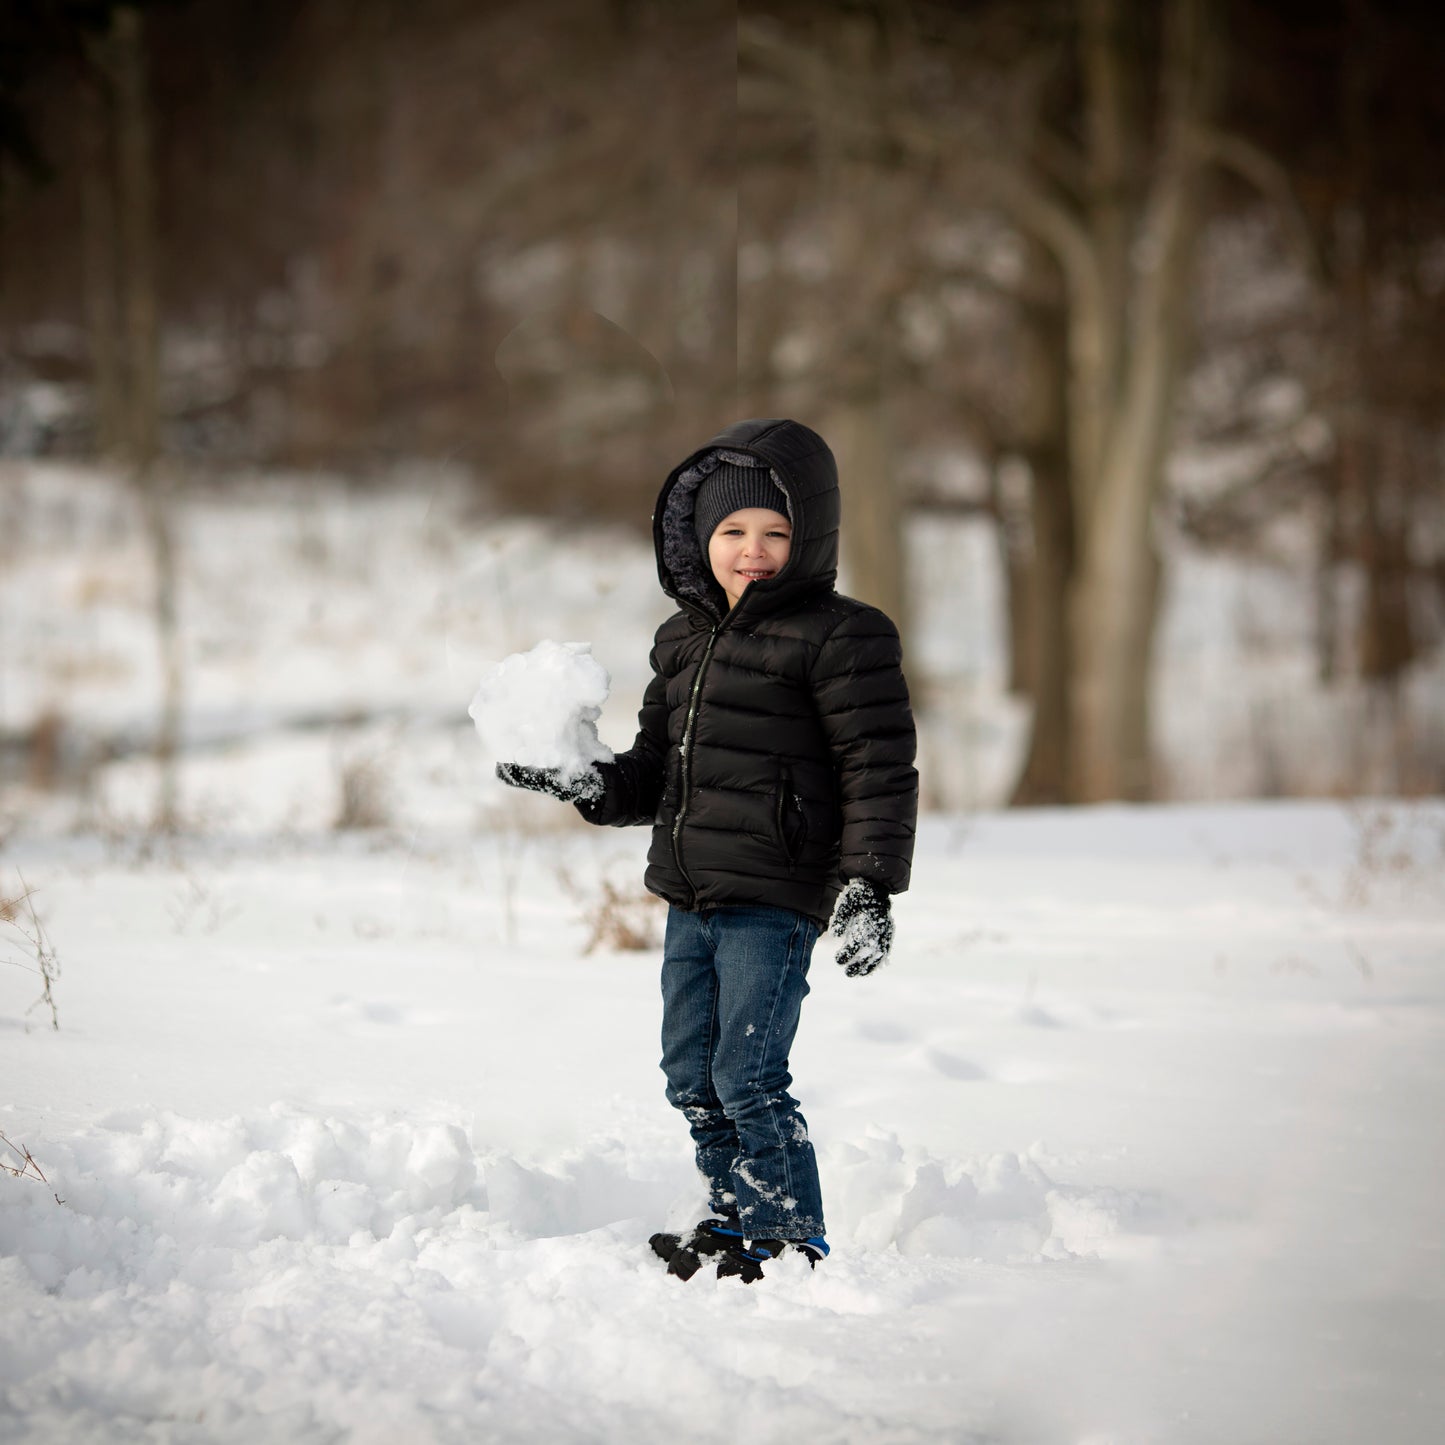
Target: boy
[774, 760]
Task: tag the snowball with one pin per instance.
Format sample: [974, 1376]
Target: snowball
[540, 708]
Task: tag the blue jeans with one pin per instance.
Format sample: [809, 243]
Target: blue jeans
[733, 982]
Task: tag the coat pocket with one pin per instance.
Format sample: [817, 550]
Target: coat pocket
[790, 823]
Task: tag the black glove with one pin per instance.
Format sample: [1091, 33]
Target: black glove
[570, 788]
[863, 927]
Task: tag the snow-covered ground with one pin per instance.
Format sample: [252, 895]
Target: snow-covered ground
[350, 1136]
[1137, 1140]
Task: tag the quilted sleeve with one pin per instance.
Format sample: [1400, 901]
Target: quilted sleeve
[632, 781]
[862, 702]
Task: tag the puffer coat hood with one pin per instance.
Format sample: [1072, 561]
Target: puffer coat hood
[774, 751]
[806, 475]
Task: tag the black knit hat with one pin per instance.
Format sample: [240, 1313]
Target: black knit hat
[729, 489]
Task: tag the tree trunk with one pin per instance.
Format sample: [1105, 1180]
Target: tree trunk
[872, 532]
[1386, 636]
[135, 193]
[1044, 431]
[368, 271]
[763, 313]
[96, 166]
[136, 210]
[1015, 552]
[1110, 113]
[1112, 610]
[856, 199]
[1046, 772]
[1111, 629]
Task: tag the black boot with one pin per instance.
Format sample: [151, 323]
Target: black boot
[745, 1262]
[684, 1253]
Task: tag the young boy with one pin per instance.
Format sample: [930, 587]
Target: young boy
[774, 761]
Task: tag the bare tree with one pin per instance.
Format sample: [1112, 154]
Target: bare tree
[1041, 571]
[135, 214]
[1118, 213]
[96, 169]
[1128, 270]
[848, 200]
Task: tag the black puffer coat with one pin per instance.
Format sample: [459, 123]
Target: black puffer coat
[774, 754]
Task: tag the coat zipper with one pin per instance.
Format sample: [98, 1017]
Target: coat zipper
[685, 781]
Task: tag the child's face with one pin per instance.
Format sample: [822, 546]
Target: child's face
[748, 546]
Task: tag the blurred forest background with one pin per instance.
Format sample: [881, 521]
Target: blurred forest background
[1144, 290]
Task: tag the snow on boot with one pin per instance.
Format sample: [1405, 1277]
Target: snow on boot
[745, 1261]
[684, 1253]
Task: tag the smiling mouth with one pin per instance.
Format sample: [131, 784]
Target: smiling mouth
[753, 575]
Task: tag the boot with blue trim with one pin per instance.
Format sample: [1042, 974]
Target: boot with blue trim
[685, 1253]
[746, 1261]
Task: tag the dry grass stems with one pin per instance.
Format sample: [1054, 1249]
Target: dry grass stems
[618, 920]
[19, 917]
[27, 1168]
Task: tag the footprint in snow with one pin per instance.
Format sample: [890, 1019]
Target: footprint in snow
[373, 1015]
[951, 1066]
[1038, 1018]
[882, 1031]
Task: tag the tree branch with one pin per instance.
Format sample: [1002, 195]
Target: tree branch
[970, 162]
[1253, 164]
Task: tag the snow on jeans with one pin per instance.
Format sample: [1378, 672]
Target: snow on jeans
[733, 981]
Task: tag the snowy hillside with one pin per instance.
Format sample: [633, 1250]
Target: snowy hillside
[1137, 1140]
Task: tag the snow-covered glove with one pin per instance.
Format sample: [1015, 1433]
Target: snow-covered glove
[569, 787]
[863, 926]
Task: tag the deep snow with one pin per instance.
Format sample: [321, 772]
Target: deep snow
[1136, 1139]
